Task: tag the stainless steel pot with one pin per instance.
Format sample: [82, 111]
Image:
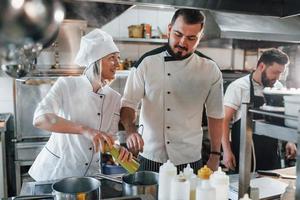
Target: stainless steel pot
[142, 182]
[77, 188]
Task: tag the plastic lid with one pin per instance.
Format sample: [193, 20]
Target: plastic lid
[180, 177]
[188, 171]
[219, 177]
[204, 172]
[168, 166]
[246, 197]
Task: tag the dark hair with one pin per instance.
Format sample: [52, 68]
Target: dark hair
[190, 16]
[268, 57]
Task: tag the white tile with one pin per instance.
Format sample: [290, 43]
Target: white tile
[164, 19]
[130, 17]
[129, 50]
[143, 48]
[6, 107]
[147, 15]
[6, 89]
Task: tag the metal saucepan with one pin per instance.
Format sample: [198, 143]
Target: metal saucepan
[141, 182]
[77, 188]
[72, 188]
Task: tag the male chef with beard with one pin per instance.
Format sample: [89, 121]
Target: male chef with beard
[249, 89]
[173, 83]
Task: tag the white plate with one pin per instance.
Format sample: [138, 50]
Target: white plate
[272, 108]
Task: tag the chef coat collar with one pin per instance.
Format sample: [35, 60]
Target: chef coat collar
[88, 86]
[172, 56]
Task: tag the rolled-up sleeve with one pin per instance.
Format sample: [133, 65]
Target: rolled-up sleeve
[134, 89]
[214, 101]
[52, 102]
[233, 97]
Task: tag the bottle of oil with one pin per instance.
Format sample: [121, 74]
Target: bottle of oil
[131, 166]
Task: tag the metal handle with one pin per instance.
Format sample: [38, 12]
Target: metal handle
[107, 177]
[33, 197]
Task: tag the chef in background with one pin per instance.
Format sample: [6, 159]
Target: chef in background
[249, 88]
[81, 112]
[173, 83]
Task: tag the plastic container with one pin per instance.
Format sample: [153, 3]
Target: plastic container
[180, 188]
[166, 174]
[205, 191]
[130, 167]
[188, 173]
[289, 193]
[220, 181]
[112, 169]
[291, 107]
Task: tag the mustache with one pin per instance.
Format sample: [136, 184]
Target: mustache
[180, 47]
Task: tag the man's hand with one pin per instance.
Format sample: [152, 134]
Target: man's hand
[135, 143]
[213, 162]
[290, 150]
[229, 159]
[125, 155]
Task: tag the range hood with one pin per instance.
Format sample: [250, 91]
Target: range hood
[234, 27]
[279, 8]
[223, 25]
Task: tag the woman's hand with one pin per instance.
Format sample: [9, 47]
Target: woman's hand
[98, 138]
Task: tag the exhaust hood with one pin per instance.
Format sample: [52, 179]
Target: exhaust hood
[251, 27]
[232, 27]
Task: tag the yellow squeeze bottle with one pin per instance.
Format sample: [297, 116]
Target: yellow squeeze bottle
[131, 166]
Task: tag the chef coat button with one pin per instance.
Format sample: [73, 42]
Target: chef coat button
[99, 114]
[169, 92]
[169, 74]
[168, 109]
[168, 142]
[90, 148]
[86, 164]
[168, 127]
[101, 96]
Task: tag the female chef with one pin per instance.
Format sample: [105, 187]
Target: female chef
[81, 112]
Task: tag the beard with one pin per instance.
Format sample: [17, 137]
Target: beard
[265, 81]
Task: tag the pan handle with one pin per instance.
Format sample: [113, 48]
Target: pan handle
[32, 197]
[108, 177]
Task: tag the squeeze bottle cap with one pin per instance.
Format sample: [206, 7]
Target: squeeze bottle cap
[204, 172]
[167, 166]
[188, 171]
[219, 177]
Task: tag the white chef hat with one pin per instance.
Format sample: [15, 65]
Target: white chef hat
[94, 46]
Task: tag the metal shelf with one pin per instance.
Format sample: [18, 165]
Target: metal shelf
[275, 131]
[260, 127]
[141, 40]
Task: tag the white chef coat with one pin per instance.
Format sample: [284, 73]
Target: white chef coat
[67, 155]
[238, 92]
[173, 92]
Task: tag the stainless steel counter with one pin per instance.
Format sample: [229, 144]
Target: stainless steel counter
[109, 190]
